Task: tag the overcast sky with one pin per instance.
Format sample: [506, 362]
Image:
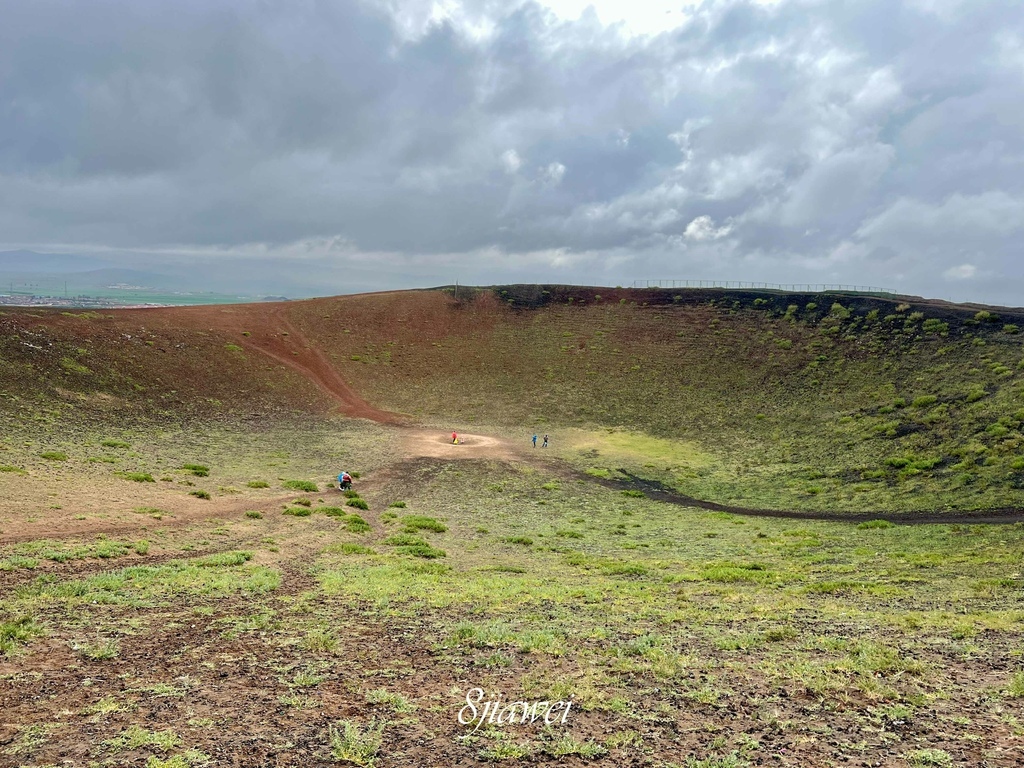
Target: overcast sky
[325, 146]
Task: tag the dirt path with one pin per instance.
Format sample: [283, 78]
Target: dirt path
[660, 492]
[280, 340]
[184, 512]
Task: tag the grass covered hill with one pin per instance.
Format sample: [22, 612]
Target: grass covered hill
[773, 400]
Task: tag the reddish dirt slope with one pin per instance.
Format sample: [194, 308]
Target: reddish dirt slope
[268, 330]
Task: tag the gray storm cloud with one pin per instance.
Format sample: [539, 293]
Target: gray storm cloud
[355, 145]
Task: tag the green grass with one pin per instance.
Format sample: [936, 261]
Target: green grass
[66, 551]
[1015, 690]
[394, 701]
[98, 649]
[413, 523]
[354, 744]
[300, 485]
[16, 633]
[135, 737]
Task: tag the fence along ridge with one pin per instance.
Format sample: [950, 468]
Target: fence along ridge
[744, 284]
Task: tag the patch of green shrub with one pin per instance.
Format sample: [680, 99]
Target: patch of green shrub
[422, 550]
[357, 502]
[351, 549]
[871, 524]
[253, 514]
[138, 477]
[198, 470]
[54, 455]
[300, 485]
[223, 559]
[415, 523]
[356, 524]
[17, 632]
[404, 540]
[298, 511]
[526, 541]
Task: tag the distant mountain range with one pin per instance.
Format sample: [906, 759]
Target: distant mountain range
[32, 263]
[28, 268]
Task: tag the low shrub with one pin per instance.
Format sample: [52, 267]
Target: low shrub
[200, 494]
[300, 485]
[422, 550]
[415, 523]
[526, 541]
[870, 524]
[356, 524]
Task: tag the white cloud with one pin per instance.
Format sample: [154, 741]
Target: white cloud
[961, 272]
[511, 161]
[960, 218]
[553, 174]
[703, 229]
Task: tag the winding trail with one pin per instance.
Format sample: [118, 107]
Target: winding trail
[277, 337]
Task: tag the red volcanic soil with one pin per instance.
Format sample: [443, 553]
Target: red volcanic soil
[267, 328]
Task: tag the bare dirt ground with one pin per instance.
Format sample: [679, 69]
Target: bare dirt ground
[274, 335]
[434, 444]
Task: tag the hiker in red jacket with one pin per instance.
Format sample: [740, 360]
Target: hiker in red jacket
[455, 439]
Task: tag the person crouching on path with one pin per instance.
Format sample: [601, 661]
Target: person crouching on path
[455, 439]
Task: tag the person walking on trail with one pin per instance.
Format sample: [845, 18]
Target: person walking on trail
[545, 445]
[455, 439]
[534, 441]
